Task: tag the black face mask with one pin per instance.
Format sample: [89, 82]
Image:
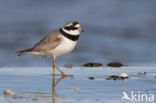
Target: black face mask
[70, 28]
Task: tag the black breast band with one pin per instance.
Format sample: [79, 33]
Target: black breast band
[69, 36]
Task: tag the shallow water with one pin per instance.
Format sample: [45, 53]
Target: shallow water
[35, 84]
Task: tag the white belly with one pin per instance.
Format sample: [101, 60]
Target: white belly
[65, 47]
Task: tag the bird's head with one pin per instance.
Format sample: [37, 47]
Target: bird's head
[72, 28]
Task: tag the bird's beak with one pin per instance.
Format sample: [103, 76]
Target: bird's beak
[80, 29]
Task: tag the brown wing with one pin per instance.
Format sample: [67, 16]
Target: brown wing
[49, 42]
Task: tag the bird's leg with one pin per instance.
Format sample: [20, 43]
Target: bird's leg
[63, 74]
[53, 67]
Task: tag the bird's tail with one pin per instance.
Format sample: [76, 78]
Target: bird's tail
[23, 52]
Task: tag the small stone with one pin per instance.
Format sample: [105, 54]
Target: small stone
[92, 65]
[68, 65]
[123, 76]
[115, 64]
[108, 78]
[142, 73]
[114, 77]
[9, 93]
[91, 78]
[77, 89]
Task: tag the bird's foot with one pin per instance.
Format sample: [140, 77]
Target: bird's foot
[65, 75]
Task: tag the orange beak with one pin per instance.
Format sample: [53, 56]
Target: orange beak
[80, 29]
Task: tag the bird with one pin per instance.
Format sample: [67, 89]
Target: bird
[56, 44]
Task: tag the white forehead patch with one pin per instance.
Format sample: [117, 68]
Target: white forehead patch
[77, 25]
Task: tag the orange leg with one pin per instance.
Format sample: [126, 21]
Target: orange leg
[54, 65]
[63, 74]
[53, 68]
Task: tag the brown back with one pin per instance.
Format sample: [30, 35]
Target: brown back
[49, 42]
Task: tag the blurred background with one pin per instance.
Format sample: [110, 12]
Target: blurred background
[115, 30]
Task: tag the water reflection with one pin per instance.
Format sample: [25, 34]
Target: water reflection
[54, 84]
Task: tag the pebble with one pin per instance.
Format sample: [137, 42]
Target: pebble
[123, 75]
[91, 78]
[114, 77]
[115, 64]
[76, 89]
[92, 65]
[9, 93]
[68, 65]
[142, 73]
[108, 78]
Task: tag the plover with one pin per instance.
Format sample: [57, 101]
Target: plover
[57, 43]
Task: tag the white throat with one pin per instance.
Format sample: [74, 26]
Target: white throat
[72, 32]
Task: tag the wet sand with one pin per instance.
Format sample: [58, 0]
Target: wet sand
[36, 85]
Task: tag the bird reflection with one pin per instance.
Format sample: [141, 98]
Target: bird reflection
[54, 84]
